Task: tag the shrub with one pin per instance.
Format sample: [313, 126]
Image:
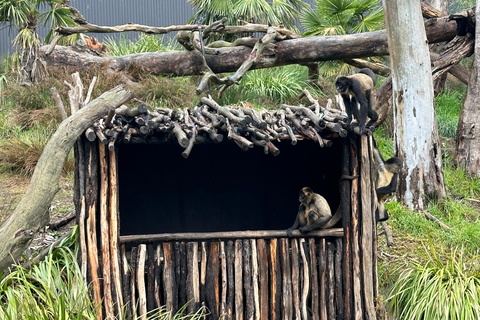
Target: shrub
[438, 289]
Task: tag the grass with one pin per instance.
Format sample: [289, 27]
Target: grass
[437, 288]
[145, 43]
[448, 105]
[270, 87]
[54, 289]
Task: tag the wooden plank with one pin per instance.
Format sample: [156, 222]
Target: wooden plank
[306, 278]
[203, 274]
[150, 277]
[126, 283]
[168, 276]
[182, 282]
[260, 234]
[355, 241]
[314, 279]
[212, 281]
[114, 234]
[142, 294]
[255, 284]
[345, 200]
[275, 281]
[238, 280]
[286, 280]
[322, 272]
[263, 275]
[91, 199]
[105, 234]
[193, 278]
[295, 279]
[158, 281]
[224, 279]
[231, 279]
[133, 281]
[331, 311]
[247, 280]
[338, 279]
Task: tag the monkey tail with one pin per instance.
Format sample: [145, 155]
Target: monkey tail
[347, 177]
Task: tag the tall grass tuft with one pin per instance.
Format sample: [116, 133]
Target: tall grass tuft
[438, 289]
[269, 86]
[52, 289]
[448, 106]
[21, 151]
[145, 43]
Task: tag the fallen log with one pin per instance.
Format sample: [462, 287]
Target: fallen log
[229, 59]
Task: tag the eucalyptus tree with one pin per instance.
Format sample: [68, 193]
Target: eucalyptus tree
[416, 133]
[340, 17]
[24, 15]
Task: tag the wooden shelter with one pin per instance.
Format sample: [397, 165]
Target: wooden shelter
[190, 207]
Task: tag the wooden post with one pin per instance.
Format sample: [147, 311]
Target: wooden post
[263, 274]
[367, 230]
[114, 234]
[105, 237]
[357, 286]
[295, 280]
[142, 294]
[193, 278]
[256, 296]
[238, 280]
[314, 279]
[275, 281]
[91, 199]
[322, 271]
[247, 280]
[286, 280]
[231, 279]
[306, 279]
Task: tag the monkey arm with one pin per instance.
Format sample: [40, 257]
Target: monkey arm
[392, 186]
[316, 225]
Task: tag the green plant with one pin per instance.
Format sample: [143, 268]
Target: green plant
[438, 288]
[51, 289]
[21, 151]
[448, 106]
[269, 87]
[145, 43]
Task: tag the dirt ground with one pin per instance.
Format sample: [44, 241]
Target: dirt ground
[12, 188]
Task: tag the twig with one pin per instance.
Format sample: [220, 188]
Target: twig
[436, 220]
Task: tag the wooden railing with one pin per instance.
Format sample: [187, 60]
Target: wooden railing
[233, 278]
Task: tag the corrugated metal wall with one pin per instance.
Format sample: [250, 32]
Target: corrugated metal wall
[160, 13]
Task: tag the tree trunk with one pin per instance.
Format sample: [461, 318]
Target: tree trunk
[229, 59]
[31, 213]
[467, 153]
[416, 134]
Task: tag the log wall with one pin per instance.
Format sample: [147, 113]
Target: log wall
[330, 274]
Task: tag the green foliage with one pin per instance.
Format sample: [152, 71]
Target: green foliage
[336, 17]
[448, 106]
[269, 87]
[438, 289]
[22, 149]
[145, 43]
[459, 183]
[52, 289]
[257, 11]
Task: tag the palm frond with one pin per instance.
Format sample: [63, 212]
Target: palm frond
[15, 12]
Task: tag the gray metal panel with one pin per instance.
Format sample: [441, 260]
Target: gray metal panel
[160, 13]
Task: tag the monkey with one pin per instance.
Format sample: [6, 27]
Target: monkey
[313, 212]
[386, 181]
[359, 97]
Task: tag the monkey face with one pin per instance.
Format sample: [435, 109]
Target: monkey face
[301, 196]
[341, 85]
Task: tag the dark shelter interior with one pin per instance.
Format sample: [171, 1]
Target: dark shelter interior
[220, 187]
